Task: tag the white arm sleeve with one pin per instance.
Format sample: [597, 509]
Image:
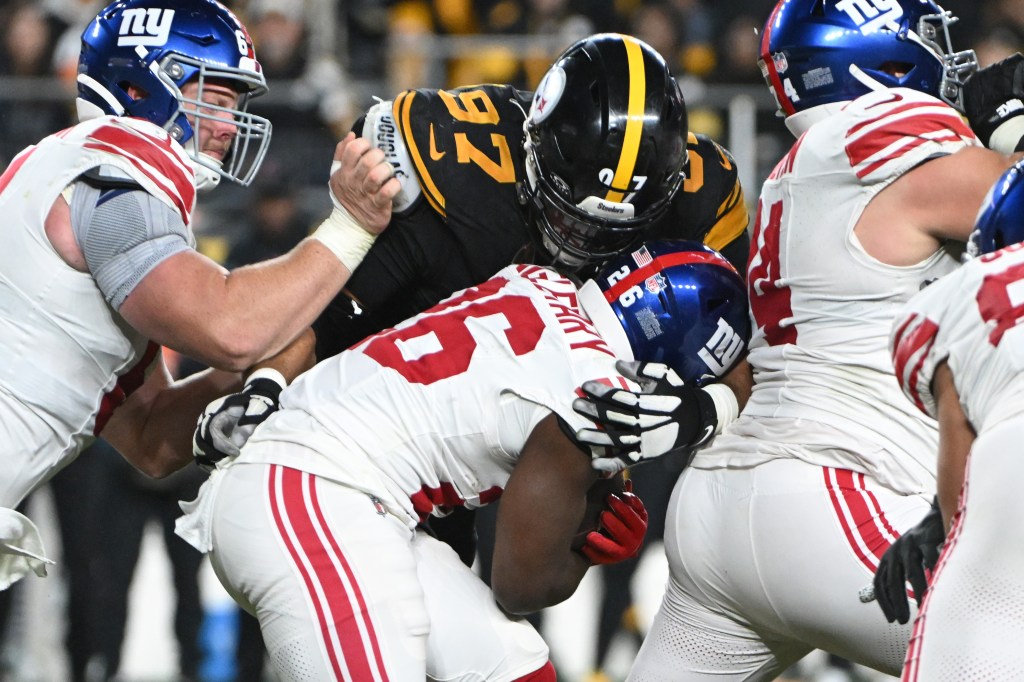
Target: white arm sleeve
[124, 234]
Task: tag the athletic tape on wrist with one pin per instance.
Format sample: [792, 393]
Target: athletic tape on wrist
[1009, 136]
[345, 237]
[268, 373]
[726, 406]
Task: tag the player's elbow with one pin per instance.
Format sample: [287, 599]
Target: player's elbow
[160, 462]
[233, 348]
[522, 597]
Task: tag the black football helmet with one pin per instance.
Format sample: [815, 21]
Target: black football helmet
[605, 148]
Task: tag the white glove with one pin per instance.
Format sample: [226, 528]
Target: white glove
[226, 423]
[665, 416]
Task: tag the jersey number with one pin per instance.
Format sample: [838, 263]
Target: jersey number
[475, 106]
[769, 300]
[441, 343]
[1001, 299]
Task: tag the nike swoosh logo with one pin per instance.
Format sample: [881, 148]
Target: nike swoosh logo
[434, 154]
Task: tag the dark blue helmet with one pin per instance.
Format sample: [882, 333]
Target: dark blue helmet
[1001, 219]
[155, 47]
[809, 46]
[680, 303]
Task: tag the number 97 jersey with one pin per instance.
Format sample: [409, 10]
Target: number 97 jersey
[969, 318]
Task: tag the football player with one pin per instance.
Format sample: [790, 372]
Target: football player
[97, 261]
[828, 463]
[315, 527]
[957, 353]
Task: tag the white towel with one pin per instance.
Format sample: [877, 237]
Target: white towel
[194, 526]
[21, 548]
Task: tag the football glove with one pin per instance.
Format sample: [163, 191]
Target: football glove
[911, 558]
[623, 525]
[666, 415]
[227, 422]
[994, 104]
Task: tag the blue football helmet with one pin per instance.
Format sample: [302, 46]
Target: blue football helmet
[676, 302]
[156, 47]
[809, 46]
[1001, 218]
[605, 148]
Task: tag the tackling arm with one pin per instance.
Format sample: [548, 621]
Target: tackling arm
[541, 511]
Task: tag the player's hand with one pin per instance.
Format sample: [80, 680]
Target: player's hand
[227, 422]
[994, 104]
[666, 415]
[911, 558]
[363, 183]
[621, 532]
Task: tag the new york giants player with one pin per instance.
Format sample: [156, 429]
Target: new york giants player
[315, 527]
[777, 525]
[957, 351]
[97, 261]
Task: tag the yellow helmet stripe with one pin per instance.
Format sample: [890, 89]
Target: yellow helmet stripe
[634, 120]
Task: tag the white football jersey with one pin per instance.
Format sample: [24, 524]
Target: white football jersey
[434, 413]
[67, 359]
[822, 307]
[969, 318]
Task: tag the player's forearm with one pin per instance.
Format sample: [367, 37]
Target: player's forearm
[154, 432]
[956, 436]
[266, 306]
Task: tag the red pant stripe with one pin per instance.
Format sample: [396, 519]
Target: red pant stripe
[342, 629]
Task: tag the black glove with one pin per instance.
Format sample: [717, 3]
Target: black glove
[911, 558]
[227, 422]
[665, 416]
[994, 98]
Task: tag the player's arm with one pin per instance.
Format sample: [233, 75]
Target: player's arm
[153, 428]
[956, 436]
[234, 319]
[542, 508]
[904, 223]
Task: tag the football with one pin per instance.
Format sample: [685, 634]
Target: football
[596, 495]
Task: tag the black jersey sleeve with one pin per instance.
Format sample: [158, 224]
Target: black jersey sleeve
[710, 207]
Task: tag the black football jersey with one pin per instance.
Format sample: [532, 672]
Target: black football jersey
[466, 146]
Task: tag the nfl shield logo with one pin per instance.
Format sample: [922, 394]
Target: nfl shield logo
[655, 284]
[780, 62]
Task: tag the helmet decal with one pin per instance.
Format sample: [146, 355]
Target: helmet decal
[142, 26]
[548, 93]
[622, 181]
[871, 15]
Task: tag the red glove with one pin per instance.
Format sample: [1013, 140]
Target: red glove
[622, 530]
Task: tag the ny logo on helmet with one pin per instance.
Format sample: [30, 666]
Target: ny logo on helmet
[870, 15]
[145, 26]
[722, 349]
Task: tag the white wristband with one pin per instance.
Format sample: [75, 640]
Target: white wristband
[344, 237]
[726, 406]
[1007, 138]
[268, 373]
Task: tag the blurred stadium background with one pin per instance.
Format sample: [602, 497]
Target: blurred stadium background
[325, 61]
